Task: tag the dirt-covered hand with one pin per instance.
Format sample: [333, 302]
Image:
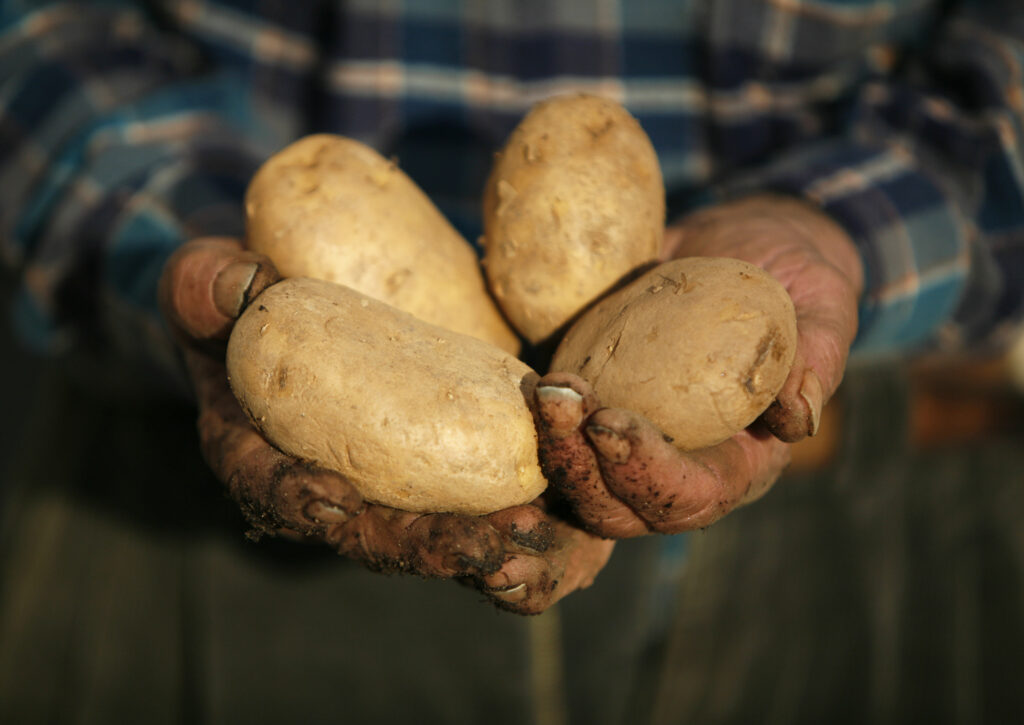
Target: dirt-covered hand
[616, 469]
[521, 558]
[546, 558]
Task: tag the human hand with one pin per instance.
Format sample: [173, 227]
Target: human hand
[524, 559]
[616, 469]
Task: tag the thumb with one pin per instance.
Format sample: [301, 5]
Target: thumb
[208, 282]
[825, 300]
[818, 264]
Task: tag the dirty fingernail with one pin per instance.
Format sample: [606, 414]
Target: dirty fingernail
[324, 512]
[511, 594]
[813, 395]
[231, 288]
[561, 408]
[538, 539]
[611, 444]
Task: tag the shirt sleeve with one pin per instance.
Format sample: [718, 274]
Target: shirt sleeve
[928, 179]
[117, 142]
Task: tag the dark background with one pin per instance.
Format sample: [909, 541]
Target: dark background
[884, 587]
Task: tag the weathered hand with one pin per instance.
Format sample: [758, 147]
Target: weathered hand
[522, 558]
[616, 469]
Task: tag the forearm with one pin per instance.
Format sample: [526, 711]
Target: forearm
[118, 146]
[925, 180]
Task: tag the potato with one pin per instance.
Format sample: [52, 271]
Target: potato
[700, 346]
[332, 208]
[414, 415]
[574, 202]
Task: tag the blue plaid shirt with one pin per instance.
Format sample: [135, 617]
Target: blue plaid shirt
[128, 127]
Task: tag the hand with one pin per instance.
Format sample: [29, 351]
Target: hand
[523, 558]
[615, 468]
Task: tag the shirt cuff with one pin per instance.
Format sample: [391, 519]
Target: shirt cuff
[105, 305]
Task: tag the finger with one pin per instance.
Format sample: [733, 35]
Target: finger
[563, 402]
[208, 282]
[820, 267]
[276, 492]
[669, 490]
[273, 490]
[432, 545]
[796, 411]
[524, 528]
[529, 584]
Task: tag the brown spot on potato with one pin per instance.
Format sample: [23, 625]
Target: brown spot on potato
[770, 343]
[396, 279]
[600, 127]
[599, 241]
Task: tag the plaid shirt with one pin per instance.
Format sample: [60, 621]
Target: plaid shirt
[127, 127]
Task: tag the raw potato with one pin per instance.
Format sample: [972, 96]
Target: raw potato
[332, 208]
[415, 416]
[574, 202]
[699, 346]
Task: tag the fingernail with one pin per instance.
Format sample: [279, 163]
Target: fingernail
[324, 512]
[231, 288]
[512, 594]
[811, 392]
[561, 408]
[611, 444]
[538, 539]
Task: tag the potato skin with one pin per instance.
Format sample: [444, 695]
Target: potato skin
[332, 208]
[700, 346]
[415, 416]
[574, 202]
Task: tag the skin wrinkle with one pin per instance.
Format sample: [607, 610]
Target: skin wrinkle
[656, 518]
[578, 477]
[635, 501]
[715, 506]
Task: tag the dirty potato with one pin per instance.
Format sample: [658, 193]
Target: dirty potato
[574, 202]
[417, 417]
[700, 346]
[332, 208]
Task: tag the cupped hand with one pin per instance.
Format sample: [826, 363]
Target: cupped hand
[523, 559]
[618, 472]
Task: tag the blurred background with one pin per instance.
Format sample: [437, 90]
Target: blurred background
[880, 581]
